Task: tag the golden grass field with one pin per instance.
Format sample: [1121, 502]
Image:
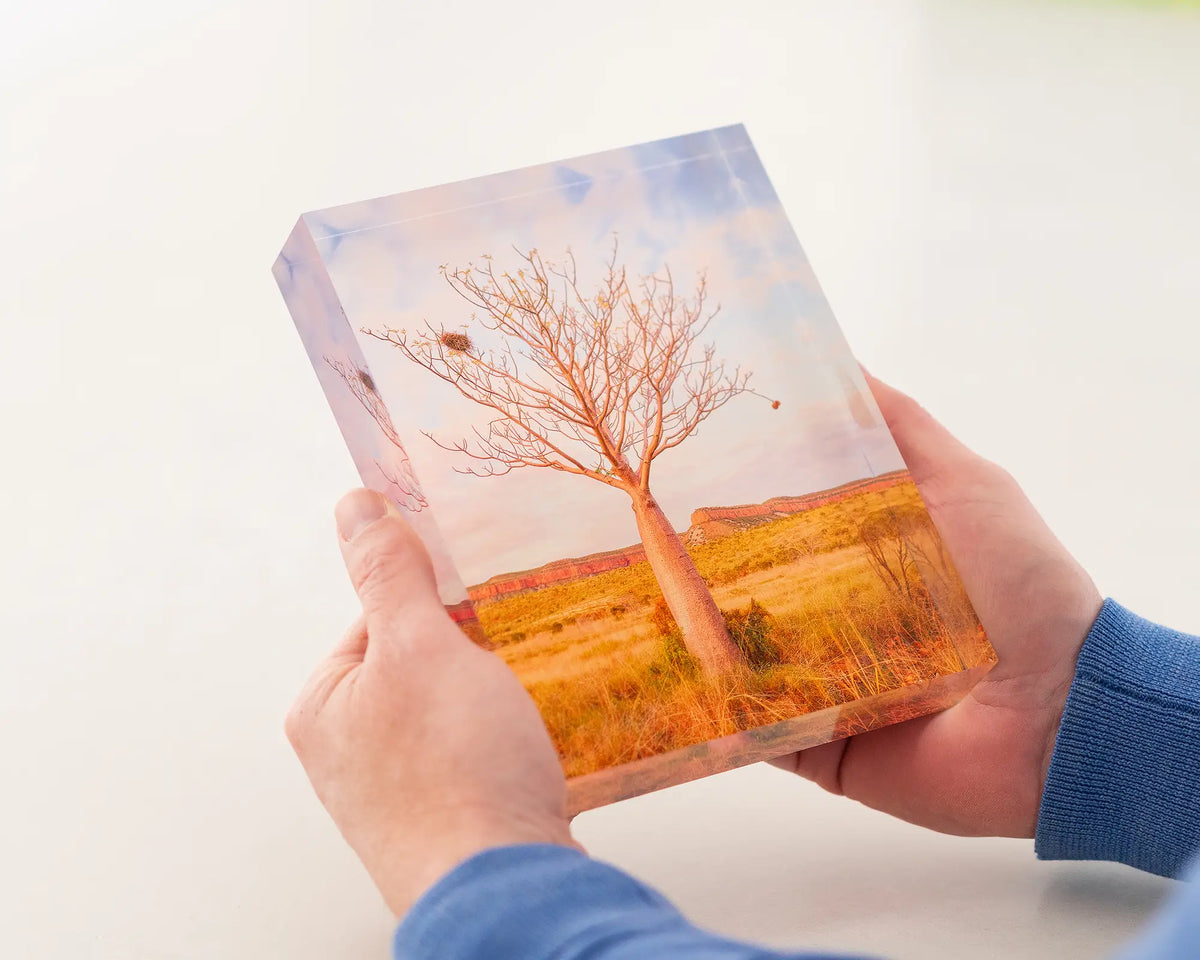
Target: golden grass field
[826, 623]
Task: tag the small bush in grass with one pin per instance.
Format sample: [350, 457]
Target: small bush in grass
[618, 610]
[663, 619]
[673, 659]
[556, 627]
[751, 631]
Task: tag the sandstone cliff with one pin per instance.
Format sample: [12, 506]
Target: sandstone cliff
[560, 571]
[707, 523]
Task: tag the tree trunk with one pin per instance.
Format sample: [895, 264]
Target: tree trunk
[686, 593]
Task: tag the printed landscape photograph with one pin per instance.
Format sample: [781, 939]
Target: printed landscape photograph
[613, 401]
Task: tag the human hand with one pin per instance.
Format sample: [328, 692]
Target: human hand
[977, 769]
[424, 748]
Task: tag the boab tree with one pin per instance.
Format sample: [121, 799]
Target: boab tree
[400, 476]
[594, 384]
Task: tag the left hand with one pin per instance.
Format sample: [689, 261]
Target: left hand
[424, 748]
[978, 768]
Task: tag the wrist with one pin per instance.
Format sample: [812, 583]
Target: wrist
[1079, 626]
[408, 860]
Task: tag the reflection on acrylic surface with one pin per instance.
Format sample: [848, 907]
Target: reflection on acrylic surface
[614, 403]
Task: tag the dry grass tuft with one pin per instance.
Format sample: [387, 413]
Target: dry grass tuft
[804, 599]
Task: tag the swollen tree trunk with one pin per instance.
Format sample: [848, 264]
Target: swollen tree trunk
[686, 593]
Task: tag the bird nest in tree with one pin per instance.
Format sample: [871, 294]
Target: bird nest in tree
[455, 342]
[365, 379]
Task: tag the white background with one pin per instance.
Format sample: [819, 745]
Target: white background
[1000, 199]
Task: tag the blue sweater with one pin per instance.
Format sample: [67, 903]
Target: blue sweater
[1123, 785]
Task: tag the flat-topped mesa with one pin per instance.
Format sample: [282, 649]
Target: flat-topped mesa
[707, 523]
[742, 511]
[711, 523]
[559, 571]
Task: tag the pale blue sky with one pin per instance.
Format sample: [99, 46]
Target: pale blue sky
[700, 202]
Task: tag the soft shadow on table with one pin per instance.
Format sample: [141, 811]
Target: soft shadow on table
[1106, 889]
[759, 856]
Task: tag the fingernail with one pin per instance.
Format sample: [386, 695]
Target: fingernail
[357, 510]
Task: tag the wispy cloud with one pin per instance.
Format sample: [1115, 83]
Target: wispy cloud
[700, 204]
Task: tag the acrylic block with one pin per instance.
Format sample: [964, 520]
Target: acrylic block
[611, 398]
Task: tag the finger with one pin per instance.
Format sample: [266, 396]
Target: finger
[821, 764]
[318, 688]
[1006, 557]
[346, 655]
[388, 565]
[929, 449]
[353, 642]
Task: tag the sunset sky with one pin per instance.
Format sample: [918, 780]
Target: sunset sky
[700, 202]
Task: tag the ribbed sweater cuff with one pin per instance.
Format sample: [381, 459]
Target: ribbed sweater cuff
[1124, 780]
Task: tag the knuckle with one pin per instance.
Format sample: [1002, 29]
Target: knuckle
[421, 632]
[903, 411]
[377, 560]
[972, 480]
[998, 478]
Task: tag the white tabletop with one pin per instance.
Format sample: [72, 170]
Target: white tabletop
[1000, 199]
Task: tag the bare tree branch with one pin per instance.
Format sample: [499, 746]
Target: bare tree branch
[400, 475]
[598, 384]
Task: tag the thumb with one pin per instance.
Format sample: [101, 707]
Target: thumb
[388, 565]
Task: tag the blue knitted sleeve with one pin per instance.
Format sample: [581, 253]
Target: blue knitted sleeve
[1124, 780]
[1175, 933]
[1123, 784]
[540, 901]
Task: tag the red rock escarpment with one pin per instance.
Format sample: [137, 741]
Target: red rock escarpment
[560, 571]
[707, 523]
[784, 506]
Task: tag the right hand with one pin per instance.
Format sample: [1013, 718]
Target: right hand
[977, 769]
[424, 748]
